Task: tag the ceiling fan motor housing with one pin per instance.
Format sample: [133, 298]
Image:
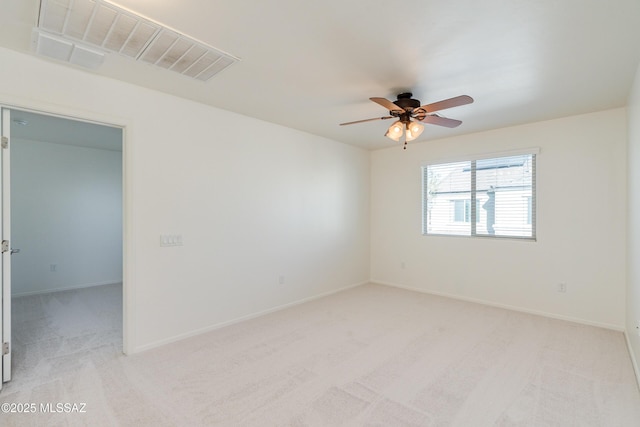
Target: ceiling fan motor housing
[406, 102]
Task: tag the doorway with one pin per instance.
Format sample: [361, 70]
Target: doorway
[66, 209]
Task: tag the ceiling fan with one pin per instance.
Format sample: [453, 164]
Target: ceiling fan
[406, 108]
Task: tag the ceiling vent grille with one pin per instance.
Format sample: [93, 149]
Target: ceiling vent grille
[100, 24]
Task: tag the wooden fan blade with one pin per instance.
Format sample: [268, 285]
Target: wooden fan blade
[386, 104]
[448, 103]
[442, 121]
[366, 120]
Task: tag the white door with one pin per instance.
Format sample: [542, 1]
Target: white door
[5, 231]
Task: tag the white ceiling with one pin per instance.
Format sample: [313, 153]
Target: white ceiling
[312, 65]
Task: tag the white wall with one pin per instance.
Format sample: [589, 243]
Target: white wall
[66, 210]
[250, 205]
[633, 239]
[581, 223]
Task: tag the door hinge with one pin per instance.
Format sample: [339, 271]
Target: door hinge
[5, 246]
[5, 142]
[5, 348]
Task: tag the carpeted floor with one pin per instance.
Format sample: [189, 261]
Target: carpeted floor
[369, 356]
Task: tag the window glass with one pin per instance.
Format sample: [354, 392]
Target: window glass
[503, 189]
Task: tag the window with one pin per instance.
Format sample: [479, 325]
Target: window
[487, 197]
[462, 210]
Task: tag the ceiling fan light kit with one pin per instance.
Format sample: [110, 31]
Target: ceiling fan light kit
[405, 108]
[413, 130]
[395, 131]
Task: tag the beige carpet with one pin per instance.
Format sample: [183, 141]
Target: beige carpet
[370, 356]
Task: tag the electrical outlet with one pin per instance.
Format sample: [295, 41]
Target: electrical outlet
[562, 287]
[53, 268]
[403, 265]
[281, 279]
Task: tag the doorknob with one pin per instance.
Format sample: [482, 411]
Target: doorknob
[5, 248]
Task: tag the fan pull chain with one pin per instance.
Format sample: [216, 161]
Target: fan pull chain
[405, 145]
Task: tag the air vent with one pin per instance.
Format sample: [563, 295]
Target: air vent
[102, 25]
[65, 50]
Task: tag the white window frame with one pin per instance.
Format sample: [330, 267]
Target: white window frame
[471, 158]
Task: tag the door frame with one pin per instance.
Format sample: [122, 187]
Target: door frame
[128, 263]
[5, 228]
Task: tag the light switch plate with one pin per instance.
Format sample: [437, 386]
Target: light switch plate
[171, 240]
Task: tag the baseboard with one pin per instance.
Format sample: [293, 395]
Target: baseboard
[69, 288]
[210, 328]
[505, 306]
[634, 361]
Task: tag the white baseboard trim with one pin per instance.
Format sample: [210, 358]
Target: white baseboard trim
[210, 328]
[634, 361]
[68, 288]
[505, 306]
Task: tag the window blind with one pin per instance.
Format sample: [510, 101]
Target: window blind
[493, 197]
